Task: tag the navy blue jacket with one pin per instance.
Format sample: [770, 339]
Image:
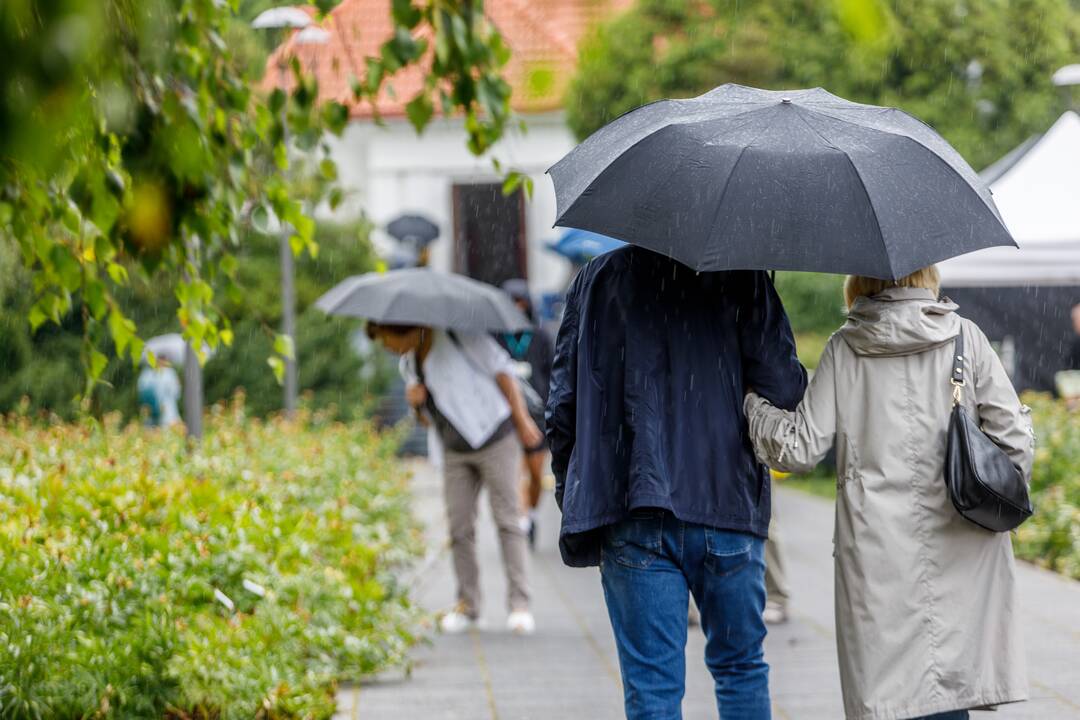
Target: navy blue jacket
[651, 365]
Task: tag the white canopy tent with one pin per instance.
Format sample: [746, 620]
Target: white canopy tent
[1037, 189]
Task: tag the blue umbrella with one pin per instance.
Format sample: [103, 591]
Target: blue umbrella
[581, 246]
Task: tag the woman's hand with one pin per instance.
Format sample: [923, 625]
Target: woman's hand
[416, 395]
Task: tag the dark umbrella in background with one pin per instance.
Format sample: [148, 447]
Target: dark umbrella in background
[741, 178]
[413, 230]
[414, 233]
[424, 297]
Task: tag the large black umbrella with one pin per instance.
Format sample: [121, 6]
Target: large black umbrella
[741, 178]
[424, 297]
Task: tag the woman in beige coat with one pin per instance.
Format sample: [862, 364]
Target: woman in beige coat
[926, 612]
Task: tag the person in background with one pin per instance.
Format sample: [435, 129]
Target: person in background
[776, 586]
[532, 349]
[159, 392]
[1074, 354]
[655, 474]
[928, 624]
[465, 384]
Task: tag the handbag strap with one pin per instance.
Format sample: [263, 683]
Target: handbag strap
[957, 377]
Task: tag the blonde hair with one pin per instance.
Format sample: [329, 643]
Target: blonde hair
[857, 286]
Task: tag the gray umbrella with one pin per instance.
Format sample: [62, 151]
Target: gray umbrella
[741, 178]
[418, 296]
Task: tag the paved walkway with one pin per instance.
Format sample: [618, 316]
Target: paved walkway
[569, 670]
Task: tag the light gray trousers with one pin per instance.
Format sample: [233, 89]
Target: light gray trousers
[776, 585]
[496, 468]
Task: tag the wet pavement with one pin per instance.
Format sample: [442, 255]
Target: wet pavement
[569, 669]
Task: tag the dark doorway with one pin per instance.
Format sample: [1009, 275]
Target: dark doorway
[489, 233]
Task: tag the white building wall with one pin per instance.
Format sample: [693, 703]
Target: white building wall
[387, 171]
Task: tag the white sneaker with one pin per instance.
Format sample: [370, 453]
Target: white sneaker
[456, 622]
[521, 622]
[775, 614]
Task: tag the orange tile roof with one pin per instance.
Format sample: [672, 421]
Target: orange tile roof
[542, 35]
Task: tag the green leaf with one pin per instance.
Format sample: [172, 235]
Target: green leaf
[94, 297]
[98, 362]
[278, 366]
[277, 100]
[405, 14]
[336, 117]
[283, 345]
[328, 169]
[118, 273]
[136, 350]
[66, 267]
[281, 156]
[122, 330]
[419, 111]
[37, 317]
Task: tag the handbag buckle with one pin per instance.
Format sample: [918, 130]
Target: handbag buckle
[957, 391]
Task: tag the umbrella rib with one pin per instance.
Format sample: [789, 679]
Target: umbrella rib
[727, 182]
[943, 161]
[862, 184]
[885, 131]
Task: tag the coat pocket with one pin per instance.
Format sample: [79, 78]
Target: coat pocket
[637, 541]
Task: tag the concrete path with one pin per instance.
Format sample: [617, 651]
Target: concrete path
[569, 669]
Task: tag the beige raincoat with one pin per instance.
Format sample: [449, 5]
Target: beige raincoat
[926, 610]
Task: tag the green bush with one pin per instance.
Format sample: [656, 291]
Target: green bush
[814, 302]
[240, 579]
[1051, 537]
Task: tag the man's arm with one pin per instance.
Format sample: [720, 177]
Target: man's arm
[489, 357]
[561, 412]
[770, 366]
[528, 433]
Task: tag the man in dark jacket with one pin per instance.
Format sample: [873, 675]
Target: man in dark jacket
[655, 475]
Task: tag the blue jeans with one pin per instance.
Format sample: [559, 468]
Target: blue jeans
[650, 564]
[951, 715]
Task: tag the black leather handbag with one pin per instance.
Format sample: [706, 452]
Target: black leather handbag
[984, 485]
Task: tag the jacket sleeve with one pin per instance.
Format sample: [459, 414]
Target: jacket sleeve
[1003, 417]
[797, 441]
[770, 366]
[560, 414]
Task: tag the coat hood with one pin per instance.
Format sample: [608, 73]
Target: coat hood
[900, 321]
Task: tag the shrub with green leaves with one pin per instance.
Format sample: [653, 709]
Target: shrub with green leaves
[239, 579]
[1051, 537]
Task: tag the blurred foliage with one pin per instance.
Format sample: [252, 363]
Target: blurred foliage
[240, 580]
[814, 301]
[978, 72]
[1051, 537]
[815, 306]
[43, 366]
[132, 145]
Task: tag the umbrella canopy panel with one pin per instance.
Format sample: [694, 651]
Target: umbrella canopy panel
[741, 178]
[418, 296]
